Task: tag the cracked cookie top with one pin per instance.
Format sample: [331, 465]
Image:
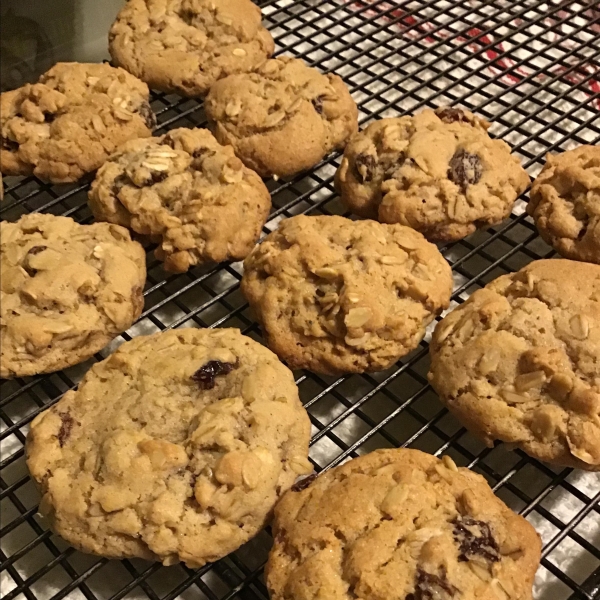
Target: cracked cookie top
[341, 296]
[184, 46]
[175, 448]
[284, 117]
[437, 171]
[565, 203]
[66, 291]
[400, 525]
[519, 361]
[68, 123]
[187, 191]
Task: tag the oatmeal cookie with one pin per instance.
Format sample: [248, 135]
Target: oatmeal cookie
[437, 171]
[565, 203]
[186, 191]
[184, 46]
[175, 448]
[341, 296]
[400, 525]
[284, 118]
[66, 291]
[68, 123]
[519, 362]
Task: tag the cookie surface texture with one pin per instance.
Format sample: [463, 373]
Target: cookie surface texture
[175, 448]
[71, 120]
[184, 46]
[284, 118]
[437, 171]
[518, 362]
[67, 290]
[400, 525]
[565, 203]
[188, 192]
[341, 296]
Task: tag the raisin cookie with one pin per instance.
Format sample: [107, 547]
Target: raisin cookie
[437, 171]
[184, 46]
[283, 118]
[565, 203]
[340, 296]
[400, 525]
[175, 448]
[68, 123]
[66, 291]
[188, 192]
[519, 362]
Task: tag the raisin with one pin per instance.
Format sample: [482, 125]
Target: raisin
[474, 538]
[65, 428]
[451, 115]
[318, 104]
[432, 587]
[10, 145]
[32, 252]
[145, 111]
[168, 141]
[187, 16]
[304, 483]
[365, 167]
[465, 169]
[205, 375]
[49, 117]
[119, 182]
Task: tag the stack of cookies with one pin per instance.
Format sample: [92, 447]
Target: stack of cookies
[181, 445]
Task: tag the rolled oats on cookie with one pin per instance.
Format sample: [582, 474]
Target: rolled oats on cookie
[341, 296]
[66, 291]
[519, 362]
[68, 123]
[437, 171]
[174, 448]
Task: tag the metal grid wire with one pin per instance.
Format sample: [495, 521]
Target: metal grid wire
[529, 67]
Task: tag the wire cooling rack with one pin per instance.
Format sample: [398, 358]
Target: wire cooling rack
[529, 67]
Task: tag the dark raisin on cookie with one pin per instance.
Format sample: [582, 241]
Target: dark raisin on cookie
[168, 141]
[119, 182]
[465, 169]
[145, 111]
[36, 249]
[304, 483]
[32, 252]
[474, 538]
[205, 375]
[451, 115]
[187, 16]
[365, 167]
[67, 422]
[318, 104]
[10, 145]
[432, 587]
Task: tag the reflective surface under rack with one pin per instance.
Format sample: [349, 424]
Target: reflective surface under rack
[529, 67]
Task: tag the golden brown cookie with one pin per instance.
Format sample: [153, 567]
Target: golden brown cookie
[519, 362]
[66, 291]
[184, 46]
[437, 171]
[565, 203]
[400, 525]
[340, 296]
[186, 191]
[283, 118]
[68, 123]
[175, 448]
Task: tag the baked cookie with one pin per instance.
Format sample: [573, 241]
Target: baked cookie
[340, 296]
[518, 362]
[188, 192]
[400, 525]
[184, 46]
[175, 448]
[68, 123]
[565, 203]
[283, 118]
[66, 291]
[437, 171]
